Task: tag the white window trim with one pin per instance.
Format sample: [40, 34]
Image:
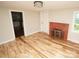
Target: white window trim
[74, 22]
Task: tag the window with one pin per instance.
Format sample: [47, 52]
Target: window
[76, 21]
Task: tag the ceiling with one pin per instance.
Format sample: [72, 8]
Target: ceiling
[48, 5]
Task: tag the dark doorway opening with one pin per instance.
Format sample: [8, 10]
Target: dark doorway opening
[17, 19]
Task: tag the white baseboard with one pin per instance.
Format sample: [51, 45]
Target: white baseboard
[75, 41]
[31, 33]
[6, 41]
[14, 38]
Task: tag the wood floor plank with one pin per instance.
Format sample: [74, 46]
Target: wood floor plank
[45, 47]
[39, 45]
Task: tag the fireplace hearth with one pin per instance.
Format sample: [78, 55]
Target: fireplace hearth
[58, 30]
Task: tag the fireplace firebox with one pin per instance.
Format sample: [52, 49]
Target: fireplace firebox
[57, 33]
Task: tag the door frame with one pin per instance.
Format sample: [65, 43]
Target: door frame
[12, 21]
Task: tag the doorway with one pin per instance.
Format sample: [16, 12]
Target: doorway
[17, 18]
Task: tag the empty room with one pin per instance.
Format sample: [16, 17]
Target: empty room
[39, 29]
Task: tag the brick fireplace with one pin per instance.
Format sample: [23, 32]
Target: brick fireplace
[59, 30]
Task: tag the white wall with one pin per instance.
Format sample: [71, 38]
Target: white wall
[63, 16]
[44, 25]
[5, 26]
[31, 24]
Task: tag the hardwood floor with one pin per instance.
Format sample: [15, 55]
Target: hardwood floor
[39, 45]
